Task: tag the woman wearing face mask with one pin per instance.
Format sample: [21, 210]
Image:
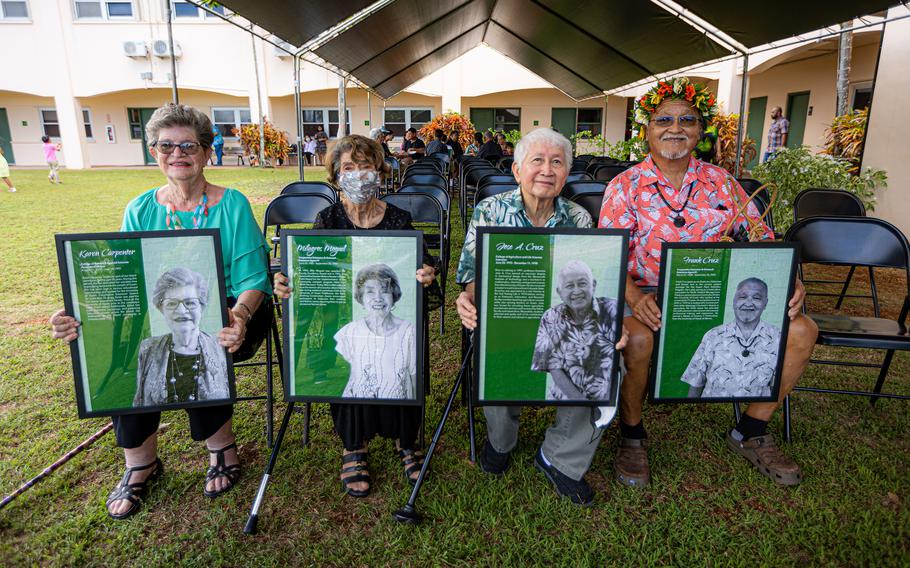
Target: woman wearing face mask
[356, 166]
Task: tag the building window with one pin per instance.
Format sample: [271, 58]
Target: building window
[49, 123]
[589, 119]
[862, 97]
[185, 10]
[135, 118]
[227, 119]
[325, 117]
[13, 10]
[87, 122]
[398, 120]
[497, 119]
[103, 9]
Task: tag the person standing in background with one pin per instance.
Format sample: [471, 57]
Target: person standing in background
[777, 133]
[322, 145]
[4, 173]
[218, 145]
[50, 155]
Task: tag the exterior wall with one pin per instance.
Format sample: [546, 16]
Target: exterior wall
[22, 108]
[817, 75]
[535, 104]
[886, 145]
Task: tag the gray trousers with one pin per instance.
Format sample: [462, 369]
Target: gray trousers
[569, 444]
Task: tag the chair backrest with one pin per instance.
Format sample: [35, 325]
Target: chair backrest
[578, 176]
[824, 202]
[294, 209]
[492, 189]
[422, 207]
[424, 179]
[505, 163]
[475, 173]
[859, 241]
[441, 156]
[592, 202]
[607, 172]
[749, 185]
[578, 165]
[573, 188]
[436, 161]
[586, 158]
[496, 178]
[440, 195]
[311, 187]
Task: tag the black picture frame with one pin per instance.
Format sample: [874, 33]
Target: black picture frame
[287, 313]
[621, 261]
[77, 347]
[788, 269]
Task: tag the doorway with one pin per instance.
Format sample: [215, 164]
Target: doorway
[563, 120]
[138, 118]
[6, 139]
[755, 123]
[797, 111]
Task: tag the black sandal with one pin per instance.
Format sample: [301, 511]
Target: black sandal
[232, 472]
[413, 463]
[133, 492]
[360, 473]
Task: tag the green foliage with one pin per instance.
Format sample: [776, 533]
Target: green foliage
[796, 169]
[627, 149]
[585, 142]
[513, 136]
[845, 137]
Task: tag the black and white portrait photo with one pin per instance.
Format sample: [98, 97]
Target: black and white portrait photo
[380, 347]
[739, 358]
[576, 338]
[186, 364]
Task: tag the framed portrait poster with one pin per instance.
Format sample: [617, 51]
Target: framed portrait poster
[549, 314]
[150, 306]
[724, 321]
[353, 326]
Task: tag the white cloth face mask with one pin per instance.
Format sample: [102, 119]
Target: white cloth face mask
[359, 186]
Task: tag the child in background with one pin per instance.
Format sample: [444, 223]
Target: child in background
[4, 172]
[50, 154]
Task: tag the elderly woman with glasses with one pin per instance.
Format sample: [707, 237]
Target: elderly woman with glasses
[180, 139]
[356, 166]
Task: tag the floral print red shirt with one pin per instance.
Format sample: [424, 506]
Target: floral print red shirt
[633, 201]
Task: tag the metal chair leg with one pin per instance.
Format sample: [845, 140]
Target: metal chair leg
[875, 305]
[737, 412]
[306, 424]
[843, 292]
[788, 437]
[886, 364]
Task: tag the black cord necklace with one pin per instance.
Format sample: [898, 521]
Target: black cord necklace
[198, 370]
[678, 219]
[746, 346]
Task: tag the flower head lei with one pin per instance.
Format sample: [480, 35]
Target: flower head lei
[679, 88]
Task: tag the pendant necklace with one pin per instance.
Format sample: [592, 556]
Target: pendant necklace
[678, 219]
[198, 372]
[746, 346]
[172, 220]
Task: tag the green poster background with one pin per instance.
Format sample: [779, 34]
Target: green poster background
[323, 302]
[712, 276]
[517, 267]
[108, 343]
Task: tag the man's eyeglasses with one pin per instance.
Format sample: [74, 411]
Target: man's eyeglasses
[189, 304]
[188, 148]
[685, 121]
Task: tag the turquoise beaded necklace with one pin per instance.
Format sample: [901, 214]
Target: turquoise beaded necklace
[172, 220]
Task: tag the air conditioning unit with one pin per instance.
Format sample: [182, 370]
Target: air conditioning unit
[161, 49]
[135, 49]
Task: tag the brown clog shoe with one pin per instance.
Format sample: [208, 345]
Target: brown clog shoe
[631, 462]
[767, 458]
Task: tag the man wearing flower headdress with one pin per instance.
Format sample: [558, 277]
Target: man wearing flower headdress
[673, 197]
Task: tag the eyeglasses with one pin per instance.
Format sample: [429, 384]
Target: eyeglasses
[188, 148]
[685, 121]
[189, 304]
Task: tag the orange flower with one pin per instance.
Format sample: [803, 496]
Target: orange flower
[664, 89]
[690, 92]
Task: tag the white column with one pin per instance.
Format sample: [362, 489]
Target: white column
[257, 67]
[729, 85]
[615, 120]
[342, 105]
[69, 110]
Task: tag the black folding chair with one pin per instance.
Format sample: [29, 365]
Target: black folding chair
[505, 163]
[429, 216]
[443, 198]
[394, 178]
[471, 178]
[828, 202]
[578, 176]
[495, 178]
[856, 241]
[492, 189]
[597, 161]
[437, 180]
[606, 172]
[311, 187]
[592, 202]
[579, 165]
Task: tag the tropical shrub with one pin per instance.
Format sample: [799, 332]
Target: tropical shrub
[586, 142]
[276, 141]
[449, 123]
[626, 150]
[795, 169]
[844, 137]
[727, 126]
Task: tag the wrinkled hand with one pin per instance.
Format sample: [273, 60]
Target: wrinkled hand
[281, 288]
[796, 302]
[646, 311]
[464, 303]
[63, 326]
[624, 340]
[426, 274]
[232, 336]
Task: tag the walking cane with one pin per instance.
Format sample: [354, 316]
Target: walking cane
[50, 469]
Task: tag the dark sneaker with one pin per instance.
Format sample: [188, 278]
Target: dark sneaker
[578, 491]
[492, 461]
[631, 463]
[767, 458]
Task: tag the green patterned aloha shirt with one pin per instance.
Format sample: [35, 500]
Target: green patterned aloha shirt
[508, 210]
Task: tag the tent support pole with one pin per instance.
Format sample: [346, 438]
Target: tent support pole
[740, 135]
[298, 112]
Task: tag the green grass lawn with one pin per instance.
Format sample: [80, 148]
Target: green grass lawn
[705, 506]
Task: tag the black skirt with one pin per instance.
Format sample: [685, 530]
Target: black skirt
[356, 424]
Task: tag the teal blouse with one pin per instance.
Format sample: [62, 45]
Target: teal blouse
[243, 248]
